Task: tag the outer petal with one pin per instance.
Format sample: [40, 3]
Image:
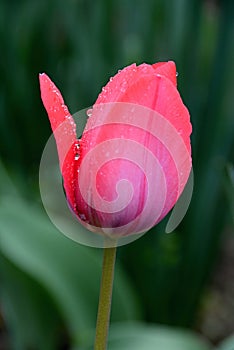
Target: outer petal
[153, 87]
[134, 166]
[54, 105]
[166, 69]
[64, 130]
[170, 105]
[129, 75]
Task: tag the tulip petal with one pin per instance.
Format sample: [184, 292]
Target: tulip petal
[153, 87]
[173, 110]
[54, 104]
[166, 69]
[120, 83]
[132, 126]
[64, 130]
[162, 96]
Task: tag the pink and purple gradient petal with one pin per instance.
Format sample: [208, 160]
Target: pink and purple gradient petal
[134, 157]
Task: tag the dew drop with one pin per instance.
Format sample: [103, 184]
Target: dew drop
[89, 112]
[123, 86]
[177, 74]
[82, 217]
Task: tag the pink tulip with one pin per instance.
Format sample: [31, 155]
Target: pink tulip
[134, 158]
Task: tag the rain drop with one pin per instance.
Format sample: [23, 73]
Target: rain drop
[89, 112]
[177, 74]
[82, 217]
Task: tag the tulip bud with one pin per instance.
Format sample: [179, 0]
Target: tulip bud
[133, 160]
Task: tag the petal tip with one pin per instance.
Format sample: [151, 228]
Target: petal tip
[166, 69]
[43, 78]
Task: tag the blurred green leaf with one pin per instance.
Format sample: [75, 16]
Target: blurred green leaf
[70, 272]
[227, 344]
[30, 315]
[148, 337]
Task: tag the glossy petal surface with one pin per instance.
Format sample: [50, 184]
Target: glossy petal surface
[134, 157]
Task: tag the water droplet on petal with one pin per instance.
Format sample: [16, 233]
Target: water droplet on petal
[82, 217]
[177, 74]
[89, 112]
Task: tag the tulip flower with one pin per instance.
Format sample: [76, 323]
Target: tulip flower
[133, 160]
[131, 163]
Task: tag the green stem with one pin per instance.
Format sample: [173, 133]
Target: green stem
[105, 297]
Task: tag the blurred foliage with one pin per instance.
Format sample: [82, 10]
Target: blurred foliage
[38, 263]
[227, 344]
[139, 336]
[49, 285]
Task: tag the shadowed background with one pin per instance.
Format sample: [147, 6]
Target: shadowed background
[49, 285]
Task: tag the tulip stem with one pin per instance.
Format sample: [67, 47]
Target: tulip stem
[104, 307]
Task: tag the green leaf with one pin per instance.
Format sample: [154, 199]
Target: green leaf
[30, 315]
[227, 344]
[70, 272]
[139, 336]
